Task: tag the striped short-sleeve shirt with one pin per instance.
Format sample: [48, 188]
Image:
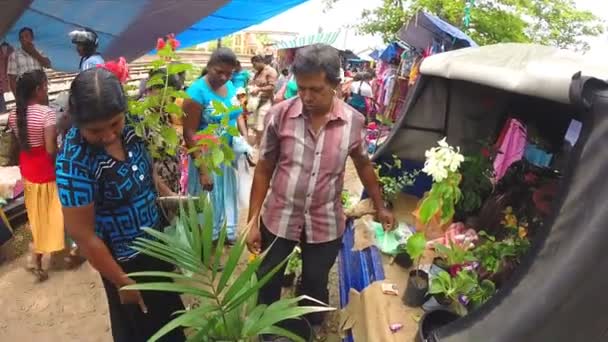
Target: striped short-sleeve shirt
[306, 187]
[38, 118]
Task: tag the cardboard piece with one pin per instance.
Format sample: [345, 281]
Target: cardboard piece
[370, 313]
[364, 235]
[364, 207]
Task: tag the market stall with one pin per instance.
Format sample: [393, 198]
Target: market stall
[542, 208]
[423, 36]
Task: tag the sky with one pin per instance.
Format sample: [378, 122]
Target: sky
[310, 16]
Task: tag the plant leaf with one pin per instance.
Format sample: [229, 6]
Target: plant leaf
[233, 259]
[182, 320]
[415, 245]
[218, 156]
[428, 208]
[274, 330]
[170, 287]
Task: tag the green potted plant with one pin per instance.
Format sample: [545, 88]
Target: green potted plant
[418, 280]
[229, 310]
[477, 172]
[392, 185]
[294, 265]
[453, 258]
[438, 206]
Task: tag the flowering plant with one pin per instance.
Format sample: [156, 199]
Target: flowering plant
[120, 68]
[151, 116]
[442, 164]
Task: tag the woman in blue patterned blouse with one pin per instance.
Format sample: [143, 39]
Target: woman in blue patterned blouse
[107, 189]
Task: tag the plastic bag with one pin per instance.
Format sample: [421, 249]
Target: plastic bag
[390, 242]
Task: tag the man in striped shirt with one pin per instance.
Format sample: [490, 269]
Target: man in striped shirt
[302, 159]
[26, 58]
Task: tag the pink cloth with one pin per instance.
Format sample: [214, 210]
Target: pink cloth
[457, 234]
[511, 148]
[305, 191]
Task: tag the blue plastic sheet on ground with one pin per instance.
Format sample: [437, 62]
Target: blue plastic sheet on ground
[358, 269]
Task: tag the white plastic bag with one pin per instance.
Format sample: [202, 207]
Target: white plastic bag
[244, 176]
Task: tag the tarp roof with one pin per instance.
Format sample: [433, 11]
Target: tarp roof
[422, 29]
[529, 69]
[130, 28]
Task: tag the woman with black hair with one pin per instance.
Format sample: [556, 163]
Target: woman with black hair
[107, 188]
[215, 86]
[34, 124]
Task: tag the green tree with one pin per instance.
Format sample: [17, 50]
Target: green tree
[550, 22]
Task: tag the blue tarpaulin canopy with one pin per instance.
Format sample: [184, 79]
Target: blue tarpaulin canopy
[424, 29]
[130, 28]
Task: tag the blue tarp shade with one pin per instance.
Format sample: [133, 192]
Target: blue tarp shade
[376, 54]
[130, 28]
[391, 52]
[233, 17]
[425, 28]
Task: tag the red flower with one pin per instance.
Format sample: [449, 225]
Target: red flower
[213, 138]
[160, 44]
[119, 68]
[455, 269]
[172, 41]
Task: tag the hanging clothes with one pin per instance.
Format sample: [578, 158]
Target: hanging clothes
[511, 145]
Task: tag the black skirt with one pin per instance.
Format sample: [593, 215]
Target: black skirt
[129, 324]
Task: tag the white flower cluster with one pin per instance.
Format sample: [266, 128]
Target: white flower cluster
[442, 160]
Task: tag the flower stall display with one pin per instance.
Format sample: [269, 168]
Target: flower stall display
[438, 206]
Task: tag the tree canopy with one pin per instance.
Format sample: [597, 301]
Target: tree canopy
[549, 22]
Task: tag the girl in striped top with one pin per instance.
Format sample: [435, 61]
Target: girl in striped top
[34, 124]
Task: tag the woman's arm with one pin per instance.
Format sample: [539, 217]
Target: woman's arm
[50, 140]
[80, 225]
[242, 125]
[161, 186]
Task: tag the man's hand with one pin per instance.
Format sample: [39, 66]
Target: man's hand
[254, 236]
[206, 181]
[387, 219]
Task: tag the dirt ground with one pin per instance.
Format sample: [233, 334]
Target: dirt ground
[71, 305]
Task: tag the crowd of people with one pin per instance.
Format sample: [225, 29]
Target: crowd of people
[99, 185]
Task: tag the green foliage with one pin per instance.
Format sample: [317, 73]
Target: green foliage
[294, 265]
[492, 253]
[151, 117]
[462, 289]
[441, 199]
[476, 185]
[345, 197]
[550, 22]
[392, 186]
[454, 255]
[415, 246]
[229, 309]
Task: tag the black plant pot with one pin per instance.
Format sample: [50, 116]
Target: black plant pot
[403, 260]
[434, 320]
[417, 288]
[443, 300]
[288, 279]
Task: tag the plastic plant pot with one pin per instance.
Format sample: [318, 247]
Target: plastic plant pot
[417, 288]
[403, 260]
[434, 320]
